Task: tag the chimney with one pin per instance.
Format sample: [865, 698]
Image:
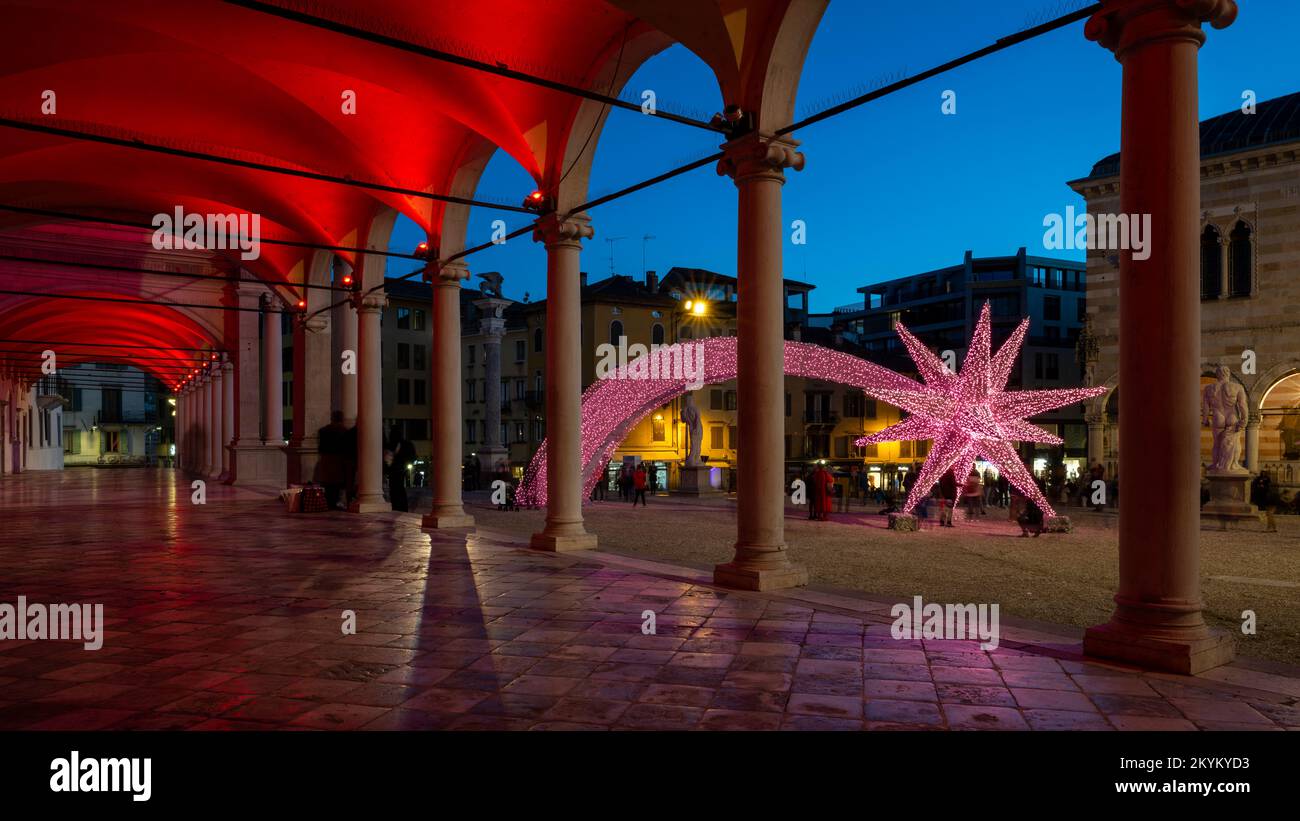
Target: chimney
[582, 279]
[652, 282]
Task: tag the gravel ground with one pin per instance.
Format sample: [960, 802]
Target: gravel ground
[1065, 579]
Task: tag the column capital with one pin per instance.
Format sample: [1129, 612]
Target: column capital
[554, 230]
[1123, 24]
[369, 303]
[227, 366]
[450, 273]
[759, 154]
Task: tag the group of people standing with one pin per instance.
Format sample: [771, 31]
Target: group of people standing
[633, 483]
[336, 466]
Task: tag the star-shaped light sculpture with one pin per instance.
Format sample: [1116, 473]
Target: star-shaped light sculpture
[970, 414]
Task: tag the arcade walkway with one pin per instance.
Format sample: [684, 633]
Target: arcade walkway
[227, 616]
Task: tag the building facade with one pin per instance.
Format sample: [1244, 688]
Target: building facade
[115, 416]
[941, 308]
[1250, 292]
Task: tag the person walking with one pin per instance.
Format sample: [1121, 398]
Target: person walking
[403, 456]
[948, 498]
[329, 468]
[598, 492]
[639, 482]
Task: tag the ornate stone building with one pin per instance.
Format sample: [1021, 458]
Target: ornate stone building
[1250, 291]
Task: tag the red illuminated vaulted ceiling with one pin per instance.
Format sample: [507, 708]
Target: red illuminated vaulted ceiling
[221, 79]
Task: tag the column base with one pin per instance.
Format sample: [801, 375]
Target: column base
[301, 461]
[374, 503]
[446, 521]
[739, 575]
[257, 464]
[1131, 645]
[563, 542]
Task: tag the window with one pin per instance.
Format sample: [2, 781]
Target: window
[286, 394]
[539, 382]
[72, 441]
[871, 451]
[1052, 331]
[1239, 260]
[657, 334]
[404, 319]
[403, 391]
[729, 400]
[905, 449]
[469, 354]
[715, 400]
[1081, 310]
[615, 332]
[1211, 263]
[521, 350]
[417, 319]
[471, 431]
[537, 341]
[853, 403]
[733, 437]
[520, 386]
[1052, 308]
[715, 437]
[470, 384]
[519, 432]
[841, 447]
[418, 385]
[869, 409]
[658, 429]
[403, 355]
[417, 357]
[787, 404]
[1047, 366]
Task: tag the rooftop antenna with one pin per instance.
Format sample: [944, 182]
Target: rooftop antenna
[611, 241]
[644, 240]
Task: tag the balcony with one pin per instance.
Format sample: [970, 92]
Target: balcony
[818, 417]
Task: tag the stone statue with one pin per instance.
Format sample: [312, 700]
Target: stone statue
[1224, 409]
[694, 429]
[491, 283]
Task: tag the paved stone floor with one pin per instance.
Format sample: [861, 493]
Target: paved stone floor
[228, 616]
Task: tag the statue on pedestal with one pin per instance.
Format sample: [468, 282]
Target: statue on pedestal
[694, 429]
[1224, 410]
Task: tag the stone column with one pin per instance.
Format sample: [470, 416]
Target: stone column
[370, 407]
[272, 376]
[1096, 438]
[214, 431]
[343, 337]
[252, 461]
[311, 388]
[757, 163]
[1252, 441]
[1158, 621]
[448, 508]
[203, 456]
[179, 437]
[563, 240]
[227, 415]
[492, 326]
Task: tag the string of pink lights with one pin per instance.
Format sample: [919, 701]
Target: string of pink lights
[967, 415]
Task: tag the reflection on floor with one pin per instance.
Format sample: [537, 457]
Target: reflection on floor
[230, 615]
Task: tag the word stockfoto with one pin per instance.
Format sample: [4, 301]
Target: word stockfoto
[58, 622]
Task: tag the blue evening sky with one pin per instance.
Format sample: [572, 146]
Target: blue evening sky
[893, 187]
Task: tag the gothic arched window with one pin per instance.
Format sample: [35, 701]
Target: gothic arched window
[615, 332]
[1240, 267]
[657, 334]
[1211, 264]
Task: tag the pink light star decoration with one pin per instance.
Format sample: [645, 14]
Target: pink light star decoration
[970, 414]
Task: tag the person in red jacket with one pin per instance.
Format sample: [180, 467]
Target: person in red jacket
[639, 481]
